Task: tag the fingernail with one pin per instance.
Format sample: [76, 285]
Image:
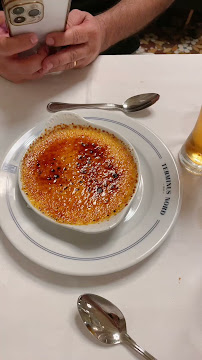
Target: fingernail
[33, 39]
[50, 41]
[47, 67]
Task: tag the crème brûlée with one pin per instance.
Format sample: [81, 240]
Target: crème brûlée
[78, 175]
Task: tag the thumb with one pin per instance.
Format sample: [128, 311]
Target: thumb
[76, 17]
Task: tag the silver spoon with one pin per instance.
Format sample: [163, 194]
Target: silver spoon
[134, 103]
[106, 322]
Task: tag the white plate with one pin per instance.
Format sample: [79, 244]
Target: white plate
[140, 233]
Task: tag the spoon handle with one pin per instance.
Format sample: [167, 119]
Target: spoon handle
[57, 106]
[130, 342]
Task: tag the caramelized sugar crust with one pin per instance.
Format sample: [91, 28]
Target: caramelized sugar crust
[78, 175]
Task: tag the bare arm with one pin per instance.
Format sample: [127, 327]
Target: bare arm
[87, 36]
[127, 18]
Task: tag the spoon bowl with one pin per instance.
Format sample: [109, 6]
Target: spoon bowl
[106, 322]
[139, 102]
[133, 104]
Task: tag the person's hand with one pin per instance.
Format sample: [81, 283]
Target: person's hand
[12, 67]
[82, 38]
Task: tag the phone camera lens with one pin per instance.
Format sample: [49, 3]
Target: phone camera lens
[34, 12]
[19, 19]
[18, 10]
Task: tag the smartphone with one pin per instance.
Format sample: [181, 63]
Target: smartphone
[38, 16]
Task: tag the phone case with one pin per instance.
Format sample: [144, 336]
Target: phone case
[38, 16]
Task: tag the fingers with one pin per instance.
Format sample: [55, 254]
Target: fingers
[76, 33]
[65, 57]
[13, 45]
[35, 76]
[78, 65]
[23, 69]
[73, 36]
[69, 66]
[29, 65]
[17, 78]
[2, 18]
[43, 50]
[82, 40]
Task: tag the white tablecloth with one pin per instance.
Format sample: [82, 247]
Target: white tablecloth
[161, 297]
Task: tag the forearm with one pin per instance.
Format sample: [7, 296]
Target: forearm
[127, 18]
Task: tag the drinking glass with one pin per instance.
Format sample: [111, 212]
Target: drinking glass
[190, 154]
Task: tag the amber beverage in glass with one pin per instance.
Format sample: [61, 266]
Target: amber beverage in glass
[190, 154]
